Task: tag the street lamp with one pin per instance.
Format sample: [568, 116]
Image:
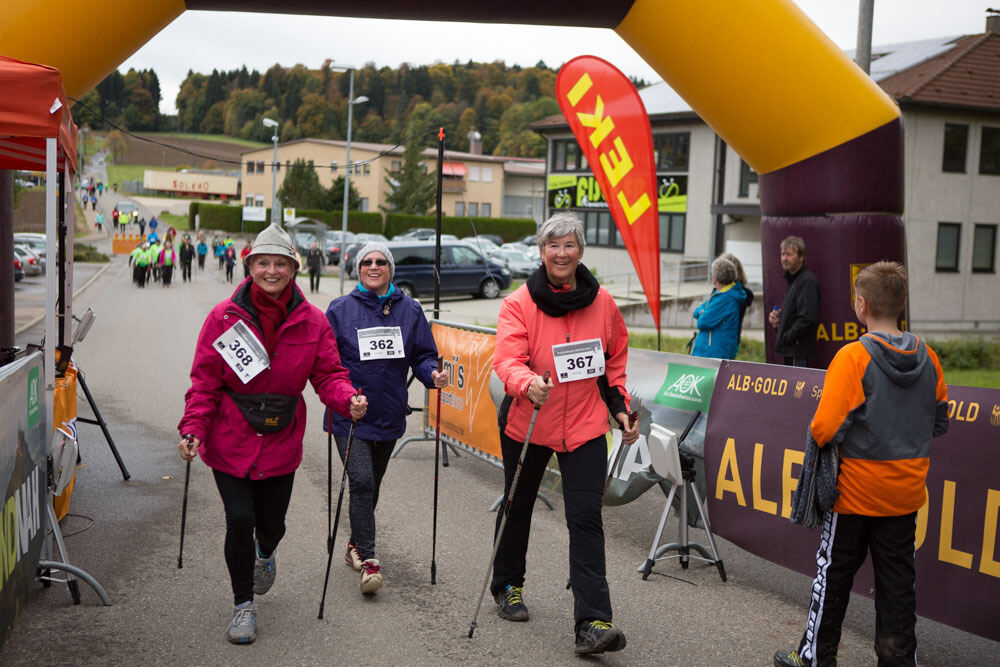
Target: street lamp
[347, 175]
[274, 170]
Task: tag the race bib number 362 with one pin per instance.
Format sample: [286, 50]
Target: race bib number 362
[579, 360]
[242, 350]
[380, 343]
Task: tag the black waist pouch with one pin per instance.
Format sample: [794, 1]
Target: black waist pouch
[266, 413]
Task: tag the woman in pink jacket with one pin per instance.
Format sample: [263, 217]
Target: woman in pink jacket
[245, 416]
[561, 321]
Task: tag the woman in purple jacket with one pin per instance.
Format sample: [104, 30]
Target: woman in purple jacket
[245, 416]
[381, 335]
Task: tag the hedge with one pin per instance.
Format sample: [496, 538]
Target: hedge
[229, 219]
[509, 229]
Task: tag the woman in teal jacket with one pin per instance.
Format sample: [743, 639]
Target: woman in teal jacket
[718, 317]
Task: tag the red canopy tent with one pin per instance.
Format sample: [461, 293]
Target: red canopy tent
[33, 108]
[37, 133]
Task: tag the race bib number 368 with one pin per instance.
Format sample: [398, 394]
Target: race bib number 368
[242, 350]
[579, 360]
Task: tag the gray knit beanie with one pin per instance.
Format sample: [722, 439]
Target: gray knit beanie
[375, 246]
[274, 241]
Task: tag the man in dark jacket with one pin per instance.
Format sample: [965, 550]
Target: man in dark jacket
[186, 257]
[798, 318]
[314, 260]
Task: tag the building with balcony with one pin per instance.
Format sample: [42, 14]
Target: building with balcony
[948, 90]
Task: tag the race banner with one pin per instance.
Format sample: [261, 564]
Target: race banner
[611, 126]
[468, 414]
[23, 518]
[754, 446]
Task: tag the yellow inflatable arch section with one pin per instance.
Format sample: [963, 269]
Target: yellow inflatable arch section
[825, 139]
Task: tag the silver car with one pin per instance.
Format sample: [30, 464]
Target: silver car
[32, 264]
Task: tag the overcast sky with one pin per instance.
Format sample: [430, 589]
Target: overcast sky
[201, 41]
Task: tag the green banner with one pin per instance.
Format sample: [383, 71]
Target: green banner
[34, 412]
[687, 387]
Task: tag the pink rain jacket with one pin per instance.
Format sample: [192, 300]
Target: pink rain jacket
[306, 351]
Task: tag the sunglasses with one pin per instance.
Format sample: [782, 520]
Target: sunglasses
[376, 262]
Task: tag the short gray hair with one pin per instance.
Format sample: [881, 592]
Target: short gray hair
[723, 271]
[559, 225]
[796, 243]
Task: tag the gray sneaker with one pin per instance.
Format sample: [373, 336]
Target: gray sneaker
[243, 628]
[264, 572]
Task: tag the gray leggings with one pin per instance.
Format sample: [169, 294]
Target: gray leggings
[365, 469]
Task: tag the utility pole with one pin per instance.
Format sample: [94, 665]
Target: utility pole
[863, 52]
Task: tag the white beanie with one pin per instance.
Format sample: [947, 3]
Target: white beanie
[273, 240]
[369, 248]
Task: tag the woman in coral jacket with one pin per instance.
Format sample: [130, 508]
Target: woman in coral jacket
[561, 321]
[245, 416]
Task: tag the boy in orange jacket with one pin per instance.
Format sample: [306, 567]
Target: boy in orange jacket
[884, 398]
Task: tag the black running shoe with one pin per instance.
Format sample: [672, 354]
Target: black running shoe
[510, 606]
[598, 637]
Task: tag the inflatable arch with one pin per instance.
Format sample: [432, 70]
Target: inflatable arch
[825, 140]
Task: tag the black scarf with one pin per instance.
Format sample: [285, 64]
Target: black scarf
[558, 303]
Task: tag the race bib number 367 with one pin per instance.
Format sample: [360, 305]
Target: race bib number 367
[241, 349]
[579, 360]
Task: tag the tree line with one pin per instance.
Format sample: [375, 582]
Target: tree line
[494, 99]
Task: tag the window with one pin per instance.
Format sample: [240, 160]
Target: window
[473, 209]
[473, 172]
[397, 166]
[747, 176]
[260, 166]
[250, 198]
[672, 150]
[989, 151]
[672, 232]
[333, 167]
[956, 138]
[984, 247]
[364, 204]
[357, 168]
[411, 256]
[949, 234]
[460, 208]
[367, 168]
[260, 200]
[486, 210]
[464, 255]
[487, 174]
[566, 156]
[250, 166]
[276, 166]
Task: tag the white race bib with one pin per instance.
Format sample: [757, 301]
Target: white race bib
[581, 360]
[380, 343]
[242, 351]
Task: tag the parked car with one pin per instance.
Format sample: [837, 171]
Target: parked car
[335, 243]
[416, 234]
[482, 244]
[34, 241]
[18, 271]
[463, 270]
[357, 244]
[30, 262]
[520, 262]
[529, 240]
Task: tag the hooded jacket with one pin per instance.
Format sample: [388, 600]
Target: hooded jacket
[306, 350]
[575, 412]
[719, 319]
[883, 400]
[383, 380]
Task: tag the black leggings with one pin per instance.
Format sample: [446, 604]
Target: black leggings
[259, 504]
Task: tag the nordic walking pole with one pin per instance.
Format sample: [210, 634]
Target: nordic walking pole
[632, 416]
[437, 451]
[329, 482]
[336, 521]
[184, 508]
[506, 509]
